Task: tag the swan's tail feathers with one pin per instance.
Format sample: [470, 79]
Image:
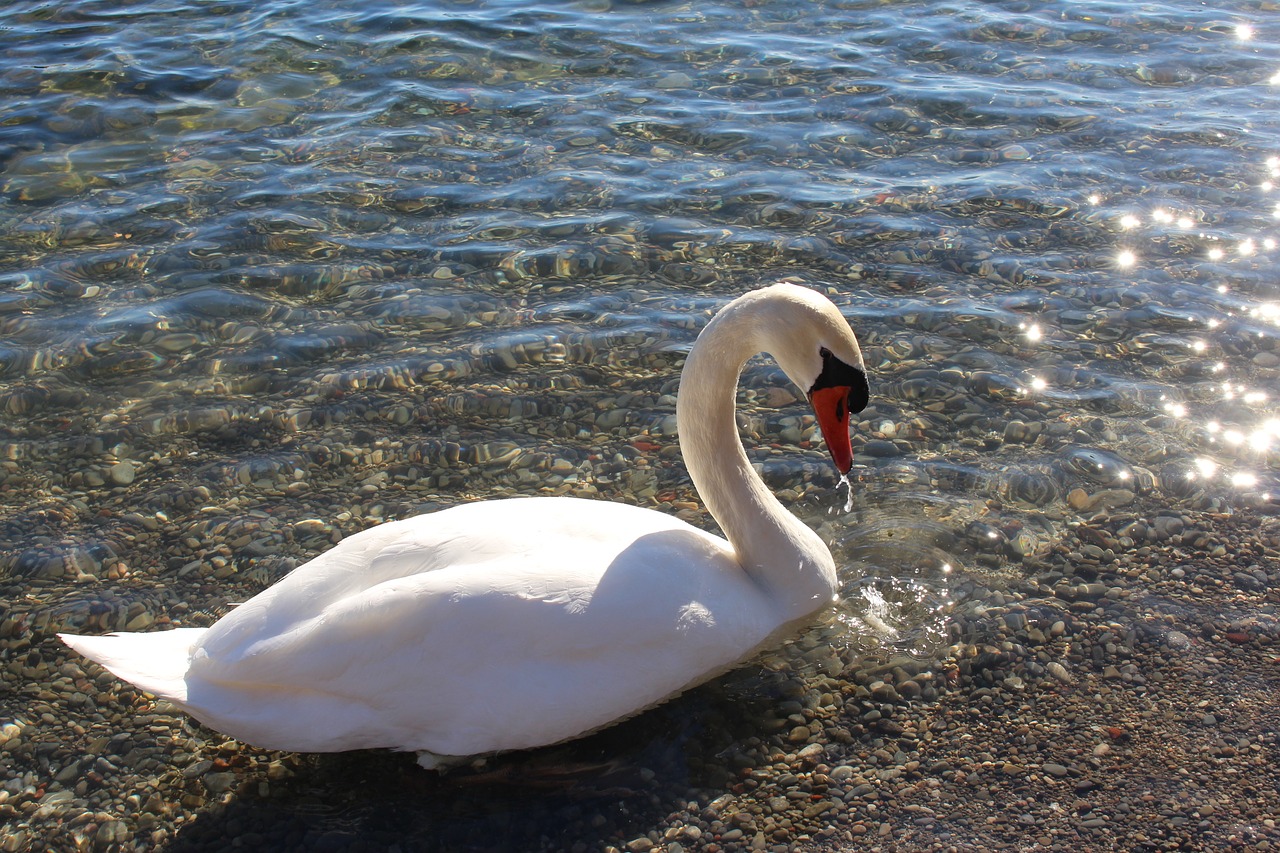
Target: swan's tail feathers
[155, 662]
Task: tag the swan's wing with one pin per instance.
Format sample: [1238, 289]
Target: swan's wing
[556, 542]
[515, 647]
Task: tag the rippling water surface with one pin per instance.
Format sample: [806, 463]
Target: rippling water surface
[272, 272]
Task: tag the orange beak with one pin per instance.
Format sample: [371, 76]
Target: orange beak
[831, 405]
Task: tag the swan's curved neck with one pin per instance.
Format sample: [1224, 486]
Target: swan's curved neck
[774, 547]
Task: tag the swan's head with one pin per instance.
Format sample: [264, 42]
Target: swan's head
[813, 344]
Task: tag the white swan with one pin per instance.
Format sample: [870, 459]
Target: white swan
[510, 624]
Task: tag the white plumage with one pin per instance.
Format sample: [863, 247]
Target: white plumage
[510, 624]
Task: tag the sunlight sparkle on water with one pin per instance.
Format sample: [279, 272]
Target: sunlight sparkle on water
[1126, 259]
[1033, 332]
[1129, 221]
[1243, 480]
[1244, 32]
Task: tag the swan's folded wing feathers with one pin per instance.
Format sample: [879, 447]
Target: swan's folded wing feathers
[358, 564]
[324, 649]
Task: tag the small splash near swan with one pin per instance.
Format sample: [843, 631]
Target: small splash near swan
[900, 570]
[874, 618]
[896, 614]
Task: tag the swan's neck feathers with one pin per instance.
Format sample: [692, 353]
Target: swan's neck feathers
[776, 549]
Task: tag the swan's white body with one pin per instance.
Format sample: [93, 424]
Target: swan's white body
[511, 624]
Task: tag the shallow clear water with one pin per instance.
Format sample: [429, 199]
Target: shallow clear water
[272, 272]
